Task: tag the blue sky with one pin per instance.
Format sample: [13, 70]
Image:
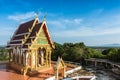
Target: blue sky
[94, 22]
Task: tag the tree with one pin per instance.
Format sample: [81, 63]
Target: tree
[58, 51]
[3, 54]
[112, 54]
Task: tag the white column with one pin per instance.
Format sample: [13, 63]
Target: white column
[26, 59]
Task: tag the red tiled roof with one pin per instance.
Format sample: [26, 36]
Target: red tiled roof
[28, 40]
[22, 29]
[25, 46]
[18, 37]
[35, 29]
[33, 33]
[16, 42]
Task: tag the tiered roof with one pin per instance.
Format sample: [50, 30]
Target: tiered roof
[26, 32]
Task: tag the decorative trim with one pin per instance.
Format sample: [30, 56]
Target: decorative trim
[24, 48]
[33, 25]
[14, 44]
[16, 40]
[27, 43]
[32, 37]
[22, 34]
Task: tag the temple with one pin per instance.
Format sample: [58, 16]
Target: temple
[30, 46]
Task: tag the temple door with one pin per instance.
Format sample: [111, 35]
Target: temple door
[41, 53]
[42, 57]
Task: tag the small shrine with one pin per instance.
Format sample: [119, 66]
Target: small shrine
[30, 46]
[59, 69]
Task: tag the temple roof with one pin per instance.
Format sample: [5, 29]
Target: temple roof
[23, 28]
[26, 33]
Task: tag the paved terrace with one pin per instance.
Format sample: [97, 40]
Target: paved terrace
[7, 73]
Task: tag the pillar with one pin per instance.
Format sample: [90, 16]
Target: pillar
[24, 59]
[36, 59]
[26, 56]
[19, 57]
[50, 58]
[31, 52]
[10, 56]
[46, 58]
[15, 58]
[56, 73]
[63, 72]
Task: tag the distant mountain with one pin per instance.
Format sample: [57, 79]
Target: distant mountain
[111, 45]
[105, 46]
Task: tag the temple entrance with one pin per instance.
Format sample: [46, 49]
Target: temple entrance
[41, 56]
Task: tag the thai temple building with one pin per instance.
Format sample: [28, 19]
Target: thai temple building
[30, 46]
[30, 51]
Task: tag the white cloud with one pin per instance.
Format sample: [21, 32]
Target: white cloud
[64, 23]
[6, 31]
[5, 34]
[86, 31]
[56, 24]
[78, 27]
[78, 21]
[23, 16]
[72, 21]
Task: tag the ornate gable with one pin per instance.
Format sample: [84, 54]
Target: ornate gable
[60, 63]
[42, 37]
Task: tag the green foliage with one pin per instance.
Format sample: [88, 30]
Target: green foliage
[78, 51]
[92, 53]
[112, 54]
[58, 51]
[74, 52]
[3, 54]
